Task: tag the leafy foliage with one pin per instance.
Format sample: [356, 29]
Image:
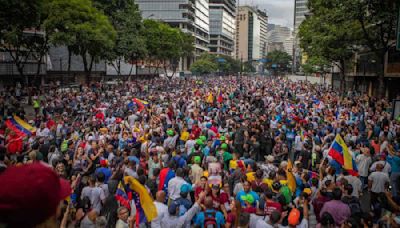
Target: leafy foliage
[209, 63]
[15, 18]
[335, 29]
[167, 45]
[280, 59]
[82, 28]
[127, 21]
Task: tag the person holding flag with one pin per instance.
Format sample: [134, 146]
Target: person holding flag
[341, 154]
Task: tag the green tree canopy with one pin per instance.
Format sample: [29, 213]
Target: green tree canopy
[279, 61]
[224, 64]
[203, 66]
[167, 45]
[335, 29]
[316, 65]
[126, 19]
[16, 17]
[85, 30]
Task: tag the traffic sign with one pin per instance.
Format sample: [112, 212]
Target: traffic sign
[264, 60]
[221, 60]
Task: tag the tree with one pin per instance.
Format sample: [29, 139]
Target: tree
[166, 45]
[220, 63]
[203, 66]
[16, 18]
[83, 29]
[377, 19]
[127, 21]
[316, 65]
[337, 28]
[329, 34]
[278, 61]
[248, 67]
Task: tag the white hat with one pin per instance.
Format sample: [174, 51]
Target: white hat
[269, 158]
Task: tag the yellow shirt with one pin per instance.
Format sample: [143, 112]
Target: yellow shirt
[184, 136]
[233, 164]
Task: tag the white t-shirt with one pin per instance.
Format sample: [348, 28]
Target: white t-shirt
[162, 210]
[356, 183]
[379, 179]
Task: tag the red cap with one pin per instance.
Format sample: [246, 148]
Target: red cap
[30, 194]
[103, 163]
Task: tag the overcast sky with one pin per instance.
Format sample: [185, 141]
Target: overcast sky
[279, 11]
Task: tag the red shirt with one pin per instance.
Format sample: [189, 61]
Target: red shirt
[271, 206]
[197, 191]
[50, 123]
[15, 146]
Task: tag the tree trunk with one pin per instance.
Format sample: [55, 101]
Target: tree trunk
[39, 67]
[342, 77]
[86, 68]
[381, 75]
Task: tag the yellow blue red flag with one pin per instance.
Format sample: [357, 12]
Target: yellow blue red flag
[340, 153]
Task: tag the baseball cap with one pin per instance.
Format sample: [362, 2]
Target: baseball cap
[294, 217]
[186, 188]
[197, 159]
[224, 146]
[28, 185]
[103, 163]
[199, 142]
[172, 207]
[170, 132]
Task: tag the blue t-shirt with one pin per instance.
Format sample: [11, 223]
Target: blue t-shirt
[200, 218]
[243, 193]
[394, 161]
[107, 173]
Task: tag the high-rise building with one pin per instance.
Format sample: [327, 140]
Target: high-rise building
[263, 29]
[250, 34]
[222, 26]
[300, 11]
[190, 16]
[280, 36]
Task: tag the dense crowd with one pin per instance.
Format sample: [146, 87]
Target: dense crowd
[212, 152]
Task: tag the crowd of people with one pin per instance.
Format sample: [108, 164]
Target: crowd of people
[212, 152]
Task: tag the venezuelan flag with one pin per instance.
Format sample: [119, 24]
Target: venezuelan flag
[122, 197]
[145, 209]
[340, 153]
[140, 103]
[166, 174]
[19, 126]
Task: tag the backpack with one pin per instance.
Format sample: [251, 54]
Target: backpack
[285, 191]
[355, 206]
[210, 220]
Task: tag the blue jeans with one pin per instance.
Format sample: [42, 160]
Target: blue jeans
[364, 181]
[394, 182]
